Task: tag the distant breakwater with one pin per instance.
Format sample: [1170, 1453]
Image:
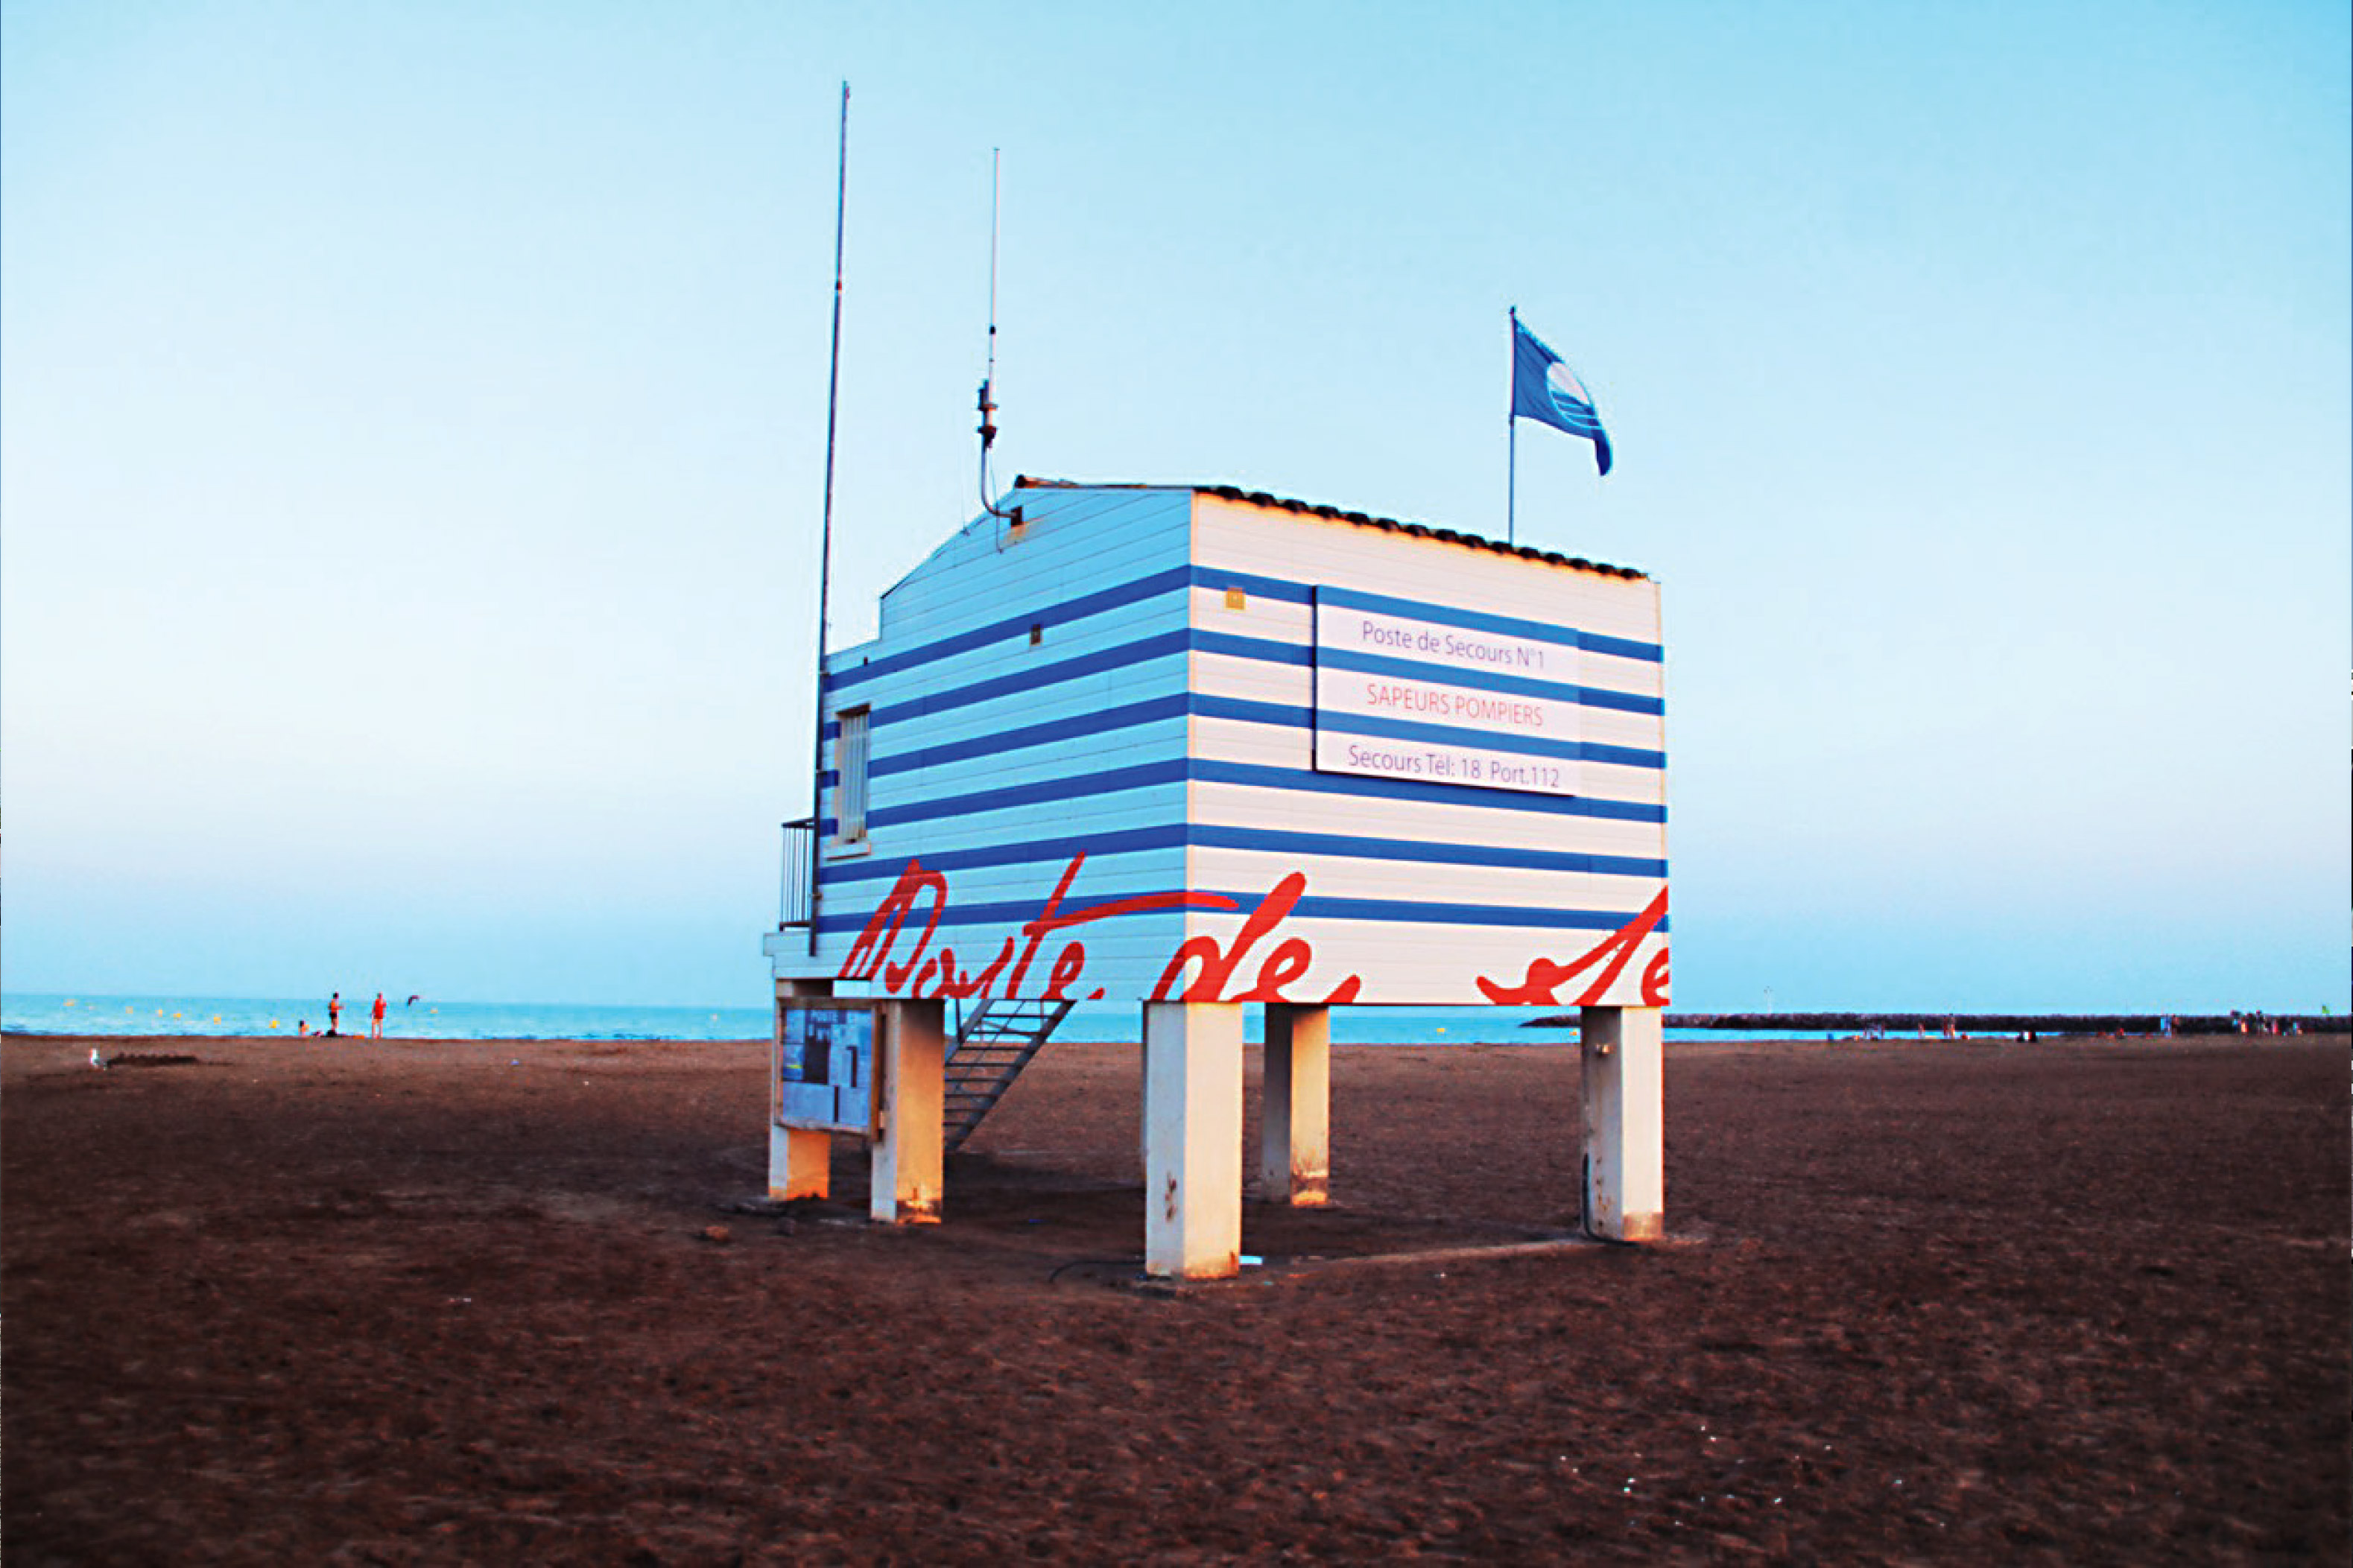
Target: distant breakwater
[2040, 1023]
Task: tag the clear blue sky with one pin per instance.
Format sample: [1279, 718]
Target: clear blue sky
[412, 436]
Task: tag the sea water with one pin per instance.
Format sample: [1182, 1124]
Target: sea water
[434, 1018]
[425, 1018]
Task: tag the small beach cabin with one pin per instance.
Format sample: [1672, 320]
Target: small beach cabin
[1192, 748]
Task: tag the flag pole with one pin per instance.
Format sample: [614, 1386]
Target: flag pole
[825, 537]
[1511, 441]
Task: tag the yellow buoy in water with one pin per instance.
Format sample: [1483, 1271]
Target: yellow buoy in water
[273, 1022]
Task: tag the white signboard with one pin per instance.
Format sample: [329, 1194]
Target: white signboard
[1438, 695]
[1340, 623]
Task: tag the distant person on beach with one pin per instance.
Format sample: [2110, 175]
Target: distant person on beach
[302, 1026]
[376, 1018]
[334, 1015]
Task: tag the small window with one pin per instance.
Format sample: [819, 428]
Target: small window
[849, 754]
[1237, 600]
[1037, 632]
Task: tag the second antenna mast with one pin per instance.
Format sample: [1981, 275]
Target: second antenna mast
[988, 382]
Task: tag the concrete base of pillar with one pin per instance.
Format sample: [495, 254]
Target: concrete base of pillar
[908, 1156]
[1192, 1139]
[1625, 1145]
[800, 1163]
[1295, 1107]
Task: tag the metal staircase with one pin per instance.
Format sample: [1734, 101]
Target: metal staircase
[994, 1042]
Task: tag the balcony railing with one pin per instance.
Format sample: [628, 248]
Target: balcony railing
[797, 902]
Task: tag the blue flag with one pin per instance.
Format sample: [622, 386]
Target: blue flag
[1547, 391]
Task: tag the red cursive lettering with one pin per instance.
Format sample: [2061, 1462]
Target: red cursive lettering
[1654, 980]
[1287, 963]
[873, 944]
[935, 974]
[1545, 977]
[1068, 964]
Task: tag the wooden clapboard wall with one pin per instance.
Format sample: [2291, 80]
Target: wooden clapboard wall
[1417, 887]
[1027, 696]
[1117, 702]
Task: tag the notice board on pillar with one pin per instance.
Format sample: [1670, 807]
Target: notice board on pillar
[822, 1065]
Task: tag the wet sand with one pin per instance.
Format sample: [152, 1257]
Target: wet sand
[439, 1303]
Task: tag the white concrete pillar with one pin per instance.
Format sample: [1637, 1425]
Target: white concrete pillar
[910, 1078]
[1192, 1139]
[800, 1161]
[1625, 1141]
[1295, 1107]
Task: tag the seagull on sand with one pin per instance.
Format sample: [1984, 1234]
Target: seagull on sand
[96, 1060]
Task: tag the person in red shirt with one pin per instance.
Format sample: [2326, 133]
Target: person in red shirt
[376, 1018]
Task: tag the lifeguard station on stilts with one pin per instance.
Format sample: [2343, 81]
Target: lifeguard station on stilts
[1194, 748]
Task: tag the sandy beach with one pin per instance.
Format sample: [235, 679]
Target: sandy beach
[463, 1301]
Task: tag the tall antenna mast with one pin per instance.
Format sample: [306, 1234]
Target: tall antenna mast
[825, 544]
[988, 403]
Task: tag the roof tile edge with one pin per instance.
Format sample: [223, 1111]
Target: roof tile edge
[1363, 520]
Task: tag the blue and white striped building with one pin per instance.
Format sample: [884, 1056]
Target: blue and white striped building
[1182, 743]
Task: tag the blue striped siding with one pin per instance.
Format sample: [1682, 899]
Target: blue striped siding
[1492, 741]
[1052, 732]
[1014, 912]
[1057, 853]
[1175, 579]
[1210, 771]
[1207, 770]
[1286, 842]
[1484, 679]
[1313, 906]
[1131, 714]
[1076, 786]
[1621, 648]
[1304, 655]
[1163, 644]
[1290, 717]
[1109, 718]
[1037, 754]
[1283, 591]
[1045, 852]
[1269, 651]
